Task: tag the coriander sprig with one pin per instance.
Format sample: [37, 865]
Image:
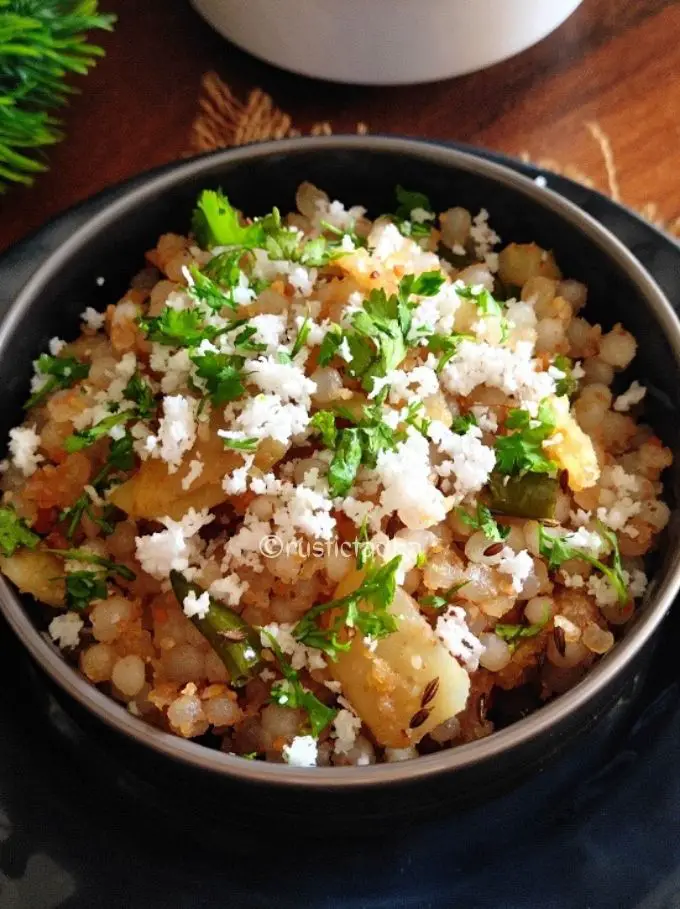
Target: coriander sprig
[382, 332]
[521, 451]
[83, 586]
[353, 446]
[86, 437]
[215, 222]
[363, 611]
[483, 520]
[289, 692]
[179, 328]
[557, 551]
[91, 558]
[121, 457]
[222, 374]
[59, 372]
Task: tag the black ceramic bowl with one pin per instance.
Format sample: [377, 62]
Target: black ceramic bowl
[358, 170]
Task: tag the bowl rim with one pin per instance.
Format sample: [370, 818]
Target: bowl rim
[462, 757]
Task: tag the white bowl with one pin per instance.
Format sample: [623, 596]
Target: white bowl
[384, 42]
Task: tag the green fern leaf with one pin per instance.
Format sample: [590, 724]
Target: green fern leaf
[42, 42]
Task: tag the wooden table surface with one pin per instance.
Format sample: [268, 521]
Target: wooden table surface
[601, 97]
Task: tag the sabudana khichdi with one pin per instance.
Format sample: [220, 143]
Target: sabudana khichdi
[323, 490]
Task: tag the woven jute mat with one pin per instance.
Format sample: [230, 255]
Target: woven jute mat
[223, 121]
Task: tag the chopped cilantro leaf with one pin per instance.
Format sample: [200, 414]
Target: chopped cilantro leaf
[376, 348]
[446, 346]
[408, 201]
[86, 437]
[139, 391]
[461, 424]
[568, 385]
[375, 594]
[73, 515]
[375, 437]
[380, 333]
[14, 533]
[483, 520]
[481, 297]
[223, 374]
[440, 601]
[335, 247]
[204, 290]
[60, 372]
[302, 336]
[434, 602]
[346, 462]
[282, 243]
[330, 344]
[216, 222]
[83, 505]
[244, 340]
[241, 444]
[179, 328]
[84, 555]
[522, 451]
[354, 446]
[225, 268]
[82, 587]
[613, 541]
[556, 551]
[513, 634]
[363, 547]
[121, 457]
[427, 284]
[416, 419]
[121, 454]
[324, 422]
[315, 252]
[289, 244]
[486, 304]
[290, 693]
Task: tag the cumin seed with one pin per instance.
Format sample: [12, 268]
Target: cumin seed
[430, 692]
[494, 549]
[481, 708]
[560, 640]
[419, 717]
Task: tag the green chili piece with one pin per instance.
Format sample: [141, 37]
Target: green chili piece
[531, 495]
[234, 641]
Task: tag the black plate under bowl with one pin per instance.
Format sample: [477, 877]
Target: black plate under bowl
[599, 828]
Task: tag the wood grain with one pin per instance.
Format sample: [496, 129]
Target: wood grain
[614, 63]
